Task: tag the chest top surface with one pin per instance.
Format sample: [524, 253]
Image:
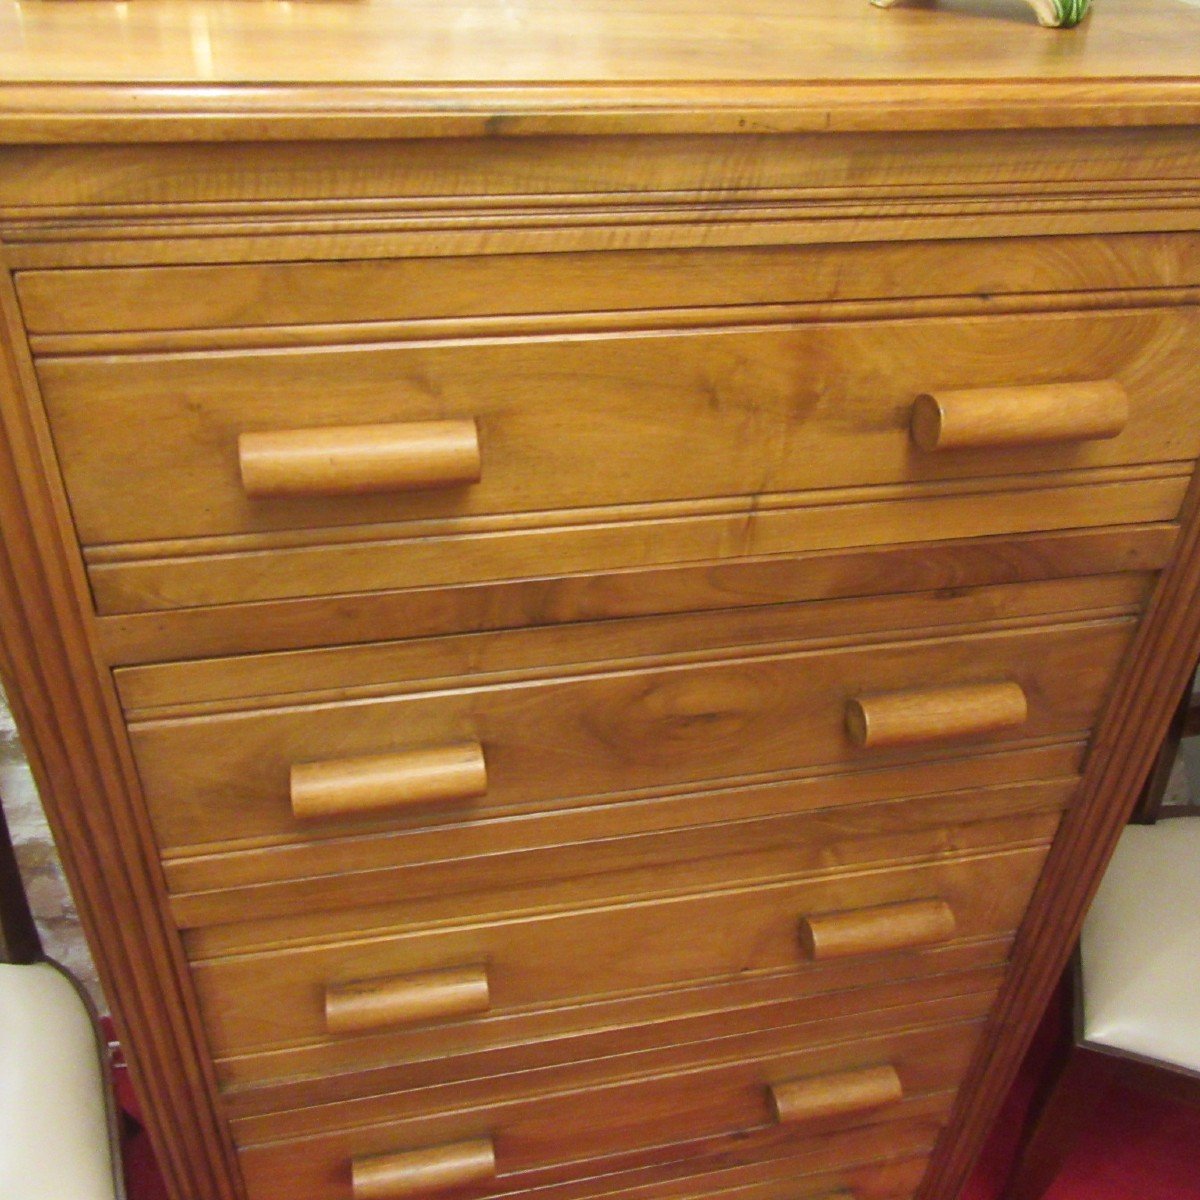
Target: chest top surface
[87, 69]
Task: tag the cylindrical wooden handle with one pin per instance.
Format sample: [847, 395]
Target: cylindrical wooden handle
[936, 714]
[352, 786]
[1020, 416]
[836, 1095]
[902, 926]
[398, 1176]
[348, 459]
[370, 1004]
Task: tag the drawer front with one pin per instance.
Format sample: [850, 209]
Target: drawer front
[571, 1134]
[573, 423]
[437, 564]
[536, 744]
[712, 1035]
[244, 300]
[615, 1037]
[279, 997]
[223, 908]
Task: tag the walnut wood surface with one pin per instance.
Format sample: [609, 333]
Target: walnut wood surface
[569, 423]
[418, 1172]
[648, 1032]
[367, 298]
[916, 716]
[65, 710]
[451, 554]
[704, 1110]
[710, 837]
[691, 288]
[610, 732]
[352, 459]
[950, 568]
[1063, 412]
[509, 62]
[371, 1004]
[350, 787]
[877, 930]
[797, 1101]
[200, 686]
[274, 998]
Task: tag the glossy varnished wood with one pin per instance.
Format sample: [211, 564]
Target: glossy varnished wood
[953, 567]
[573, 423]
[274, 998]
[623, 1036]
[698, 1113]
[688, 276]
[609, 733]
[969, 70]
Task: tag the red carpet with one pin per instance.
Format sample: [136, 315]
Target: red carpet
[1140, 1147]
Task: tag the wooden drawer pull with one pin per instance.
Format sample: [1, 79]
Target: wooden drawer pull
[383, 1003]
[347, 459]
[393, 1176]
[349, 786]
[918, 715]
[1019, 416]
[836, 1095]
[902, 926]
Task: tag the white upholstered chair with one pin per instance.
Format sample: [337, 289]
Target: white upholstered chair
[57, 1126]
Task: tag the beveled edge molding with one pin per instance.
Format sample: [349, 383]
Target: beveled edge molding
[100, 112]
[1122, 751]
[67, 714]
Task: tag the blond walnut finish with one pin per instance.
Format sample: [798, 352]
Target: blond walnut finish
[382, 1003]
[572, 359]
[877, 930]
[1065, 412]
[346, 787]
[360, 458]
[916, 715]
[416, 1172]
[798, 1100]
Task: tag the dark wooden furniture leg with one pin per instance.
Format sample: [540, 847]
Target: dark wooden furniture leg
[19, 941]
[1063, 1106]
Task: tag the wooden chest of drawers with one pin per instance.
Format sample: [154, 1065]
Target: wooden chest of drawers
[590, 586]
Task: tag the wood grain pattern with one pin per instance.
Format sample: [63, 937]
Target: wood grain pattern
[623, 1035]
[847, 1093]
[553, 742]
[748, 411]
[946, 567]
[67, 715]
[354, 786]
[233, 298]
[627, 1123]
[1064, 412]
[650, 845]
[917, 716]
[389, 62]
[754, 1053]
[373, 1004]
[689, 273]
[196, 687]
[1125, 743]
[877, 930]
[354, 459]
[454, 554]
[417, 1172]
[275, 997]
[395, 42]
